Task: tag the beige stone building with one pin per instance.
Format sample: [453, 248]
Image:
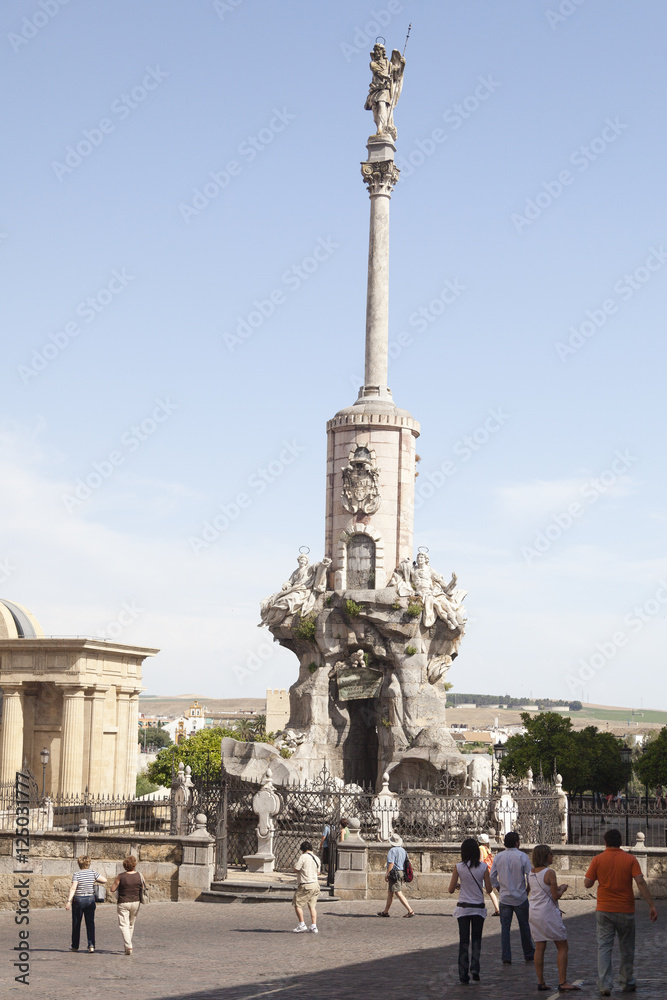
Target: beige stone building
[76, 697]
[277, 709]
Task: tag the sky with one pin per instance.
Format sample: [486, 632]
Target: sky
[167, 344]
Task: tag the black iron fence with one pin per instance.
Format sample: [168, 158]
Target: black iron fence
[589, 817]
[65, 813]
[417, 815]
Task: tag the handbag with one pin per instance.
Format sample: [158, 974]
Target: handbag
[99, 893]
[144, 892]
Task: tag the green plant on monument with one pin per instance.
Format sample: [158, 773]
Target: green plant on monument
[305, 628]
[410, 650]
[352, 609]
[414, 609]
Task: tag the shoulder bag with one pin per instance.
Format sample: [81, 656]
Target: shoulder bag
[144, 892]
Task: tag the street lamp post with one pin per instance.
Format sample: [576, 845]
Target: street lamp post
[626, 758]
[44, 757]
[498, 754]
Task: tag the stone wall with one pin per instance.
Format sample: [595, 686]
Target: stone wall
[167, 864]
[361, 872]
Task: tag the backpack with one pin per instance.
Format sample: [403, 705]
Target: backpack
[408, 873]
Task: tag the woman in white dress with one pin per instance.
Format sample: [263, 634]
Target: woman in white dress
[546, 923]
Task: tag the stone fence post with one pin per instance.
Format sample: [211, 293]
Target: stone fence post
[563, 808]
[351, 879]
[196, 871]
[385, 808]
[266, 804]
[641, 853]
[181, 799]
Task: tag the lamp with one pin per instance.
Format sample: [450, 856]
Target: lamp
[499, 750]
[626, 759]
[44, 757]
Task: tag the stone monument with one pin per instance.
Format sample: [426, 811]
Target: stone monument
[375, 629]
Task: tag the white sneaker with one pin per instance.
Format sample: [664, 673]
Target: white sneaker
[313, 929]
[300, 928]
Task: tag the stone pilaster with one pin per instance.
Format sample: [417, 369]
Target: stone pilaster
[132, 742]
[11, 746]
[71, 754]
[122, 722]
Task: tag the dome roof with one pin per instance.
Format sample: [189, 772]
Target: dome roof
[16, 622]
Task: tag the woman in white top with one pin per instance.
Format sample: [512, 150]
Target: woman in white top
[546, 923]
[471, 876]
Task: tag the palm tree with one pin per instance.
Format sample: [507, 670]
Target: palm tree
[243, 729]
[260, 725]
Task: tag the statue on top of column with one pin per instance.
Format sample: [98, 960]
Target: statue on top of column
[385, 89]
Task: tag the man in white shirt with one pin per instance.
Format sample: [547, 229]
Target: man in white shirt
[307, 871]
[509, 873]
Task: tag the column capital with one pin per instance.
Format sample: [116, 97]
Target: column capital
[71, 689]
[12, 687]
[381, 176]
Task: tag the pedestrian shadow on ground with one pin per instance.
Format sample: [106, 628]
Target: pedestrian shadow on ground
[432, 973]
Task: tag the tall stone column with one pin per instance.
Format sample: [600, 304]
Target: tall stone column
[132, 741]
[71, 750]
[122, 720]
[381, 174]
[11, 747]
[96, 740]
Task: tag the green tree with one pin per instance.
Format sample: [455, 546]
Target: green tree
[575, 706]
[260, 725]
[144, 785]
[651, 767]
[201, 751]
[154, 737]
[605, 771]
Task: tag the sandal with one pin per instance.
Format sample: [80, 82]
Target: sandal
[381, 913]
[543, 987]
[410, 914]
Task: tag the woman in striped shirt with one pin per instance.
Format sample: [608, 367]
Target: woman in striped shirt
[82, 902]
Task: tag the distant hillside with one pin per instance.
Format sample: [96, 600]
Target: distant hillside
[501, 700]
[174, 706]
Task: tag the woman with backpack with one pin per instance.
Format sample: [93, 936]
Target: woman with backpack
[471, 876]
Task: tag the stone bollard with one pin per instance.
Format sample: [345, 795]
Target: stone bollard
[266, 803]
[196, 871]
[81, 839]
[351, 879]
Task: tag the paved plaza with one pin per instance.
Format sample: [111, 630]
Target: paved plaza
[242, 951]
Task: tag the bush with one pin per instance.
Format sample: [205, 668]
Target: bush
[415, 609]
[410, 650]
[312, 667]
[352, 609]
[144, 786]
[575, 706]
[305, 628]
[396, 605]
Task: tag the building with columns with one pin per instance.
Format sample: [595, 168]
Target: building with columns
[78, 697]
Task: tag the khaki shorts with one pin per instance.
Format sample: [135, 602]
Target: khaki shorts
[396, 886]
[306, 894]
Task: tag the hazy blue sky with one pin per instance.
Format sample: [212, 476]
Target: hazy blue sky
[130, 274]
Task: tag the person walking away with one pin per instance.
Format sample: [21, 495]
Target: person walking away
[307, 871]
[129, 884]
[344, 831]
[324, 845]
[471, 876]
[81, 901]
[396, 860]
[614, 871]
[486, 858]
[546, 922]
[509, 872]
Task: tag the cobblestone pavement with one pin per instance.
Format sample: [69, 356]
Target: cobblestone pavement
[240, 951]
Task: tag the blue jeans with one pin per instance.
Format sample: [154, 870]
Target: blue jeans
[506, 913]
[83, 907]
[607, 926]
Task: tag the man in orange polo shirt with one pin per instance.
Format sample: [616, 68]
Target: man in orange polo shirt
[614, 871]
